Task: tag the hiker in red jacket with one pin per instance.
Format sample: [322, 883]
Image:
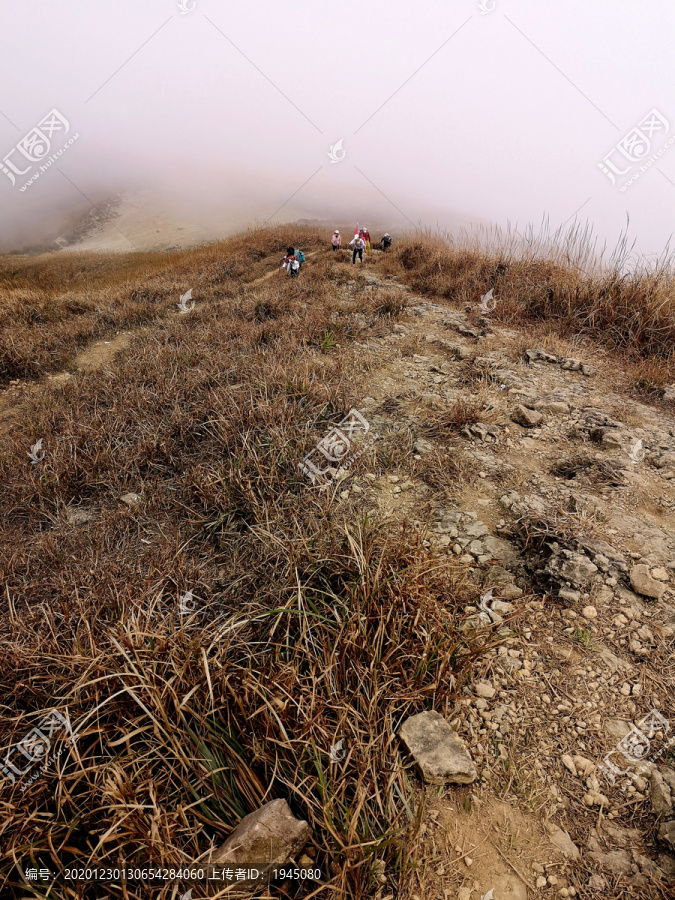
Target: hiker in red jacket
[365, 234]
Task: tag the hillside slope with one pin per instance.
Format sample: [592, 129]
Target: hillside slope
[500, 549]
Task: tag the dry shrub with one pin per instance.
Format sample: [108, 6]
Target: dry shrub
[463, 412]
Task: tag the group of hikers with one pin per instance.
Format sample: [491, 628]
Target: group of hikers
[292, 262]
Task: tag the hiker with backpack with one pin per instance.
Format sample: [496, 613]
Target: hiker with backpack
[365, 234]
[336, 241]
[386, 241]
[290, 263]
[359, 246]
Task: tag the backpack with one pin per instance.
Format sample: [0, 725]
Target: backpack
[300, 256]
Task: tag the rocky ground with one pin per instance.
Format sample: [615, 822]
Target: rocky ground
[565, 512]
[562, 503]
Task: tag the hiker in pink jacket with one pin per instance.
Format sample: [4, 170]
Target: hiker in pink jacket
[336, 241]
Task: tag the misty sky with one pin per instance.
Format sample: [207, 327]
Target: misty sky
[447, 115]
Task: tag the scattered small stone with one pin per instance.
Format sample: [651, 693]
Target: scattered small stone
[595, 798]
[589, 612]
[79, 516]
[131, 499]
[643, 583]
[564, 843]
[660, 795]
[556, 407]
[667, 833]
[504, 609]
[578, 569]
[483, 689]
[528, 418]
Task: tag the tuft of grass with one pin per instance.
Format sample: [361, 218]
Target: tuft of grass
[461, 413]
[328, 341]
[391, 306]
[595, 471]
[583, 636]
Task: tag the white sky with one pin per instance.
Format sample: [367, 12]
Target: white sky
[494, 117]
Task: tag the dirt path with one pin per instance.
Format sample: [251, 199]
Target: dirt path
[570, 522]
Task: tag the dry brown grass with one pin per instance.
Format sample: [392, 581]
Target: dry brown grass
[312, 622]
[631, 312]
[589, 468]
[53, 305]
[461, 413]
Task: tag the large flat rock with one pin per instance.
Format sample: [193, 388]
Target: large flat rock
[439, 753]
[269, 836]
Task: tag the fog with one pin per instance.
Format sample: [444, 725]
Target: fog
[449, 115]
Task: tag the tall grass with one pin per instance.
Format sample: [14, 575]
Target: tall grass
[560, 278]
[312, 622]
